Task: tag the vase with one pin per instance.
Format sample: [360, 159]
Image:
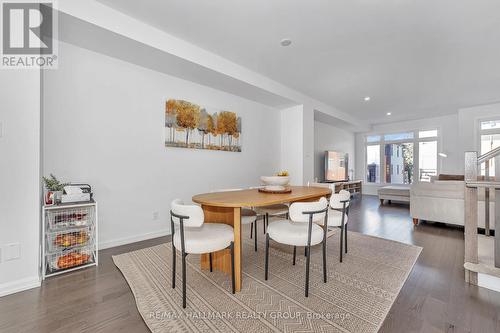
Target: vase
[57, 196]
[49, 198]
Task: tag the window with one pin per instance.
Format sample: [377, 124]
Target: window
[401, 158]
[489, 142]
[427, 134]
[373, 164]
[373, 138]
[427, 161]
[489, 138]
[490, 124]
[398, 136]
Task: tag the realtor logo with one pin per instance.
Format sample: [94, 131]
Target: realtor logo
[28, 35]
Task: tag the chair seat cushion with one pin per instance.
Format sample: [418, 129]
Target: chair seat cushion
[209, 237]
[278, 209]
[294, 233]
[248, 216]
[335, 218]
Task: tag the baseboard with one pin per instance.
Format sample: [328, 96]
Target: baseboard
[488, 281]
[133, 239]
[19, 285]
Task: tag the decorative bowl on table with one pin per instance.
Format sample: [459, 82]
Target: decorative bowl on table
[275, 183]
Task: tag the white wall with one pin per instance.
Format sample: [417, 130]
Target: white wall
[328, 137]
[19, 178]
[104, 125]
[308, 144]
[291, 152]
[469, 119]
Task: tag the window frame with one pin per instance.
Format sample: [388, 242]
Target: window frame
[416, 151]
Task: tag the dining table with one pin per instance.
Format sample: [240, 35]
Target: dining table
[225, 207]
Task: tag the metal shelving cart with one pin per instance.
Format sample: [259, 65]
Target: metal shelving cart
[69, 237]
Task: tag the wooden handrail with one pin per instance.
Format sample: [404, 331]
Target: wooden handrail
[479, 183]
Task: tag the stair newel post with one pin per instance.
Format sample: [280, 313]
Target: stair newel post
[471, 211]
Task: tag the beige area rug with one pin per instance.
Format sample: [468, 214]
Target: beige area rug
[359, 293]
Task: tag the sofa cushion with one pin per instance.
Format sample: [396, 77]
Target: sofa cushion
[439, 189]
[403, 191]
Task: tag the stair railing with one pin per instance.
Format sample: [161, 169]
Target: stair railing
[472, 184]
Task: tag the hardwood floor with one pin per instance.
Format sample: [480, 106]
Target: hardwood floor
[435, 297]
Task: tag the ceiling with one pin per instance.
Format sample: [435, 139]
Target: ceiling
[414, 58]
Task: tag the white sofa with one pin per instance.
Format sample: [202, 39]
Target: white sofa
[443, 201]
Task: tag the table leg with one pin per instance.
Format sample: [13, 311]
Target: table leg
[221, 260]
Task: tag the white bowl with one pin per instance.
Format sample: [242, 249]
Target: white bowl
[275, 181]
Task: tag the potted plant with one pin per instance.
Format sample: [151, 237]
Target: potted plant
[55, 189]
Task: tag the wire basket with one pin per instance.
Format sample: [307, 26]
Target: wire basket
[70, 217]
[69, 259]
[70, 238]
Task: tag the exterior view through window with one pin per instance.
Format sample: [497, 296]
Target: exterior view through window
[402, 158]
[489, 139]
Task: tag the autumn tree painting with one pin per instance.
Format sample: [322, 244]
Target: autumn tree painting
[170, 118]
[200, 127]
[188, 117]
[203, 126]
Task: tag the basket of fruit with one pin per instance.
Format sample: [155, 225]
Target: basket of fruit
[57, 241]
[73, 217]
[70, 259]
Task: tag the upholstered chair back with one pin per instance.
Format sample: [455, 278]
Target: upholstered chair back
[297, 210]
[337, 198]
[194, 212]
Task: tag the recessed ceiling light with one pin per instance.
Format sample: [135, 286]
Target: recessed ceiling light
[285, 42]
[388, 113]
[367, 98]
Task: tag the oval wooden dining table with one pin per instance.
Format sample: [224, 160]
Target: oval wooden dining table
[225, 207]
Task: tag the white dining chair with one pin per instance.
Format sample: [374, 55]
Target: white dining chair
[272, 211]
[301, 230]
[247, 216]
[193, 236]
[338, 216]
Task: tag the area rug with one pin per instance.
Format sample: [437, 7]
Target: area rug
[357, 297]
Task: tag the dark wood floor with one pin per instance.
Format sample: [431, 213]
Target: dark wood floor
[433, 299]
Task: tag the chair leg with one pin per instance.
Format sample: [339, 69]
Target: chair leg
[255, 233]
[232, 266]
[345, 237]
[251, 231]
[341, 242]
[183, 280]
[265, 217]
[173, 264]
[305, 251]
[287, 216]
[307, 271]
[294, 254]
[324, 258]
[210, 256]
[267, 257]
